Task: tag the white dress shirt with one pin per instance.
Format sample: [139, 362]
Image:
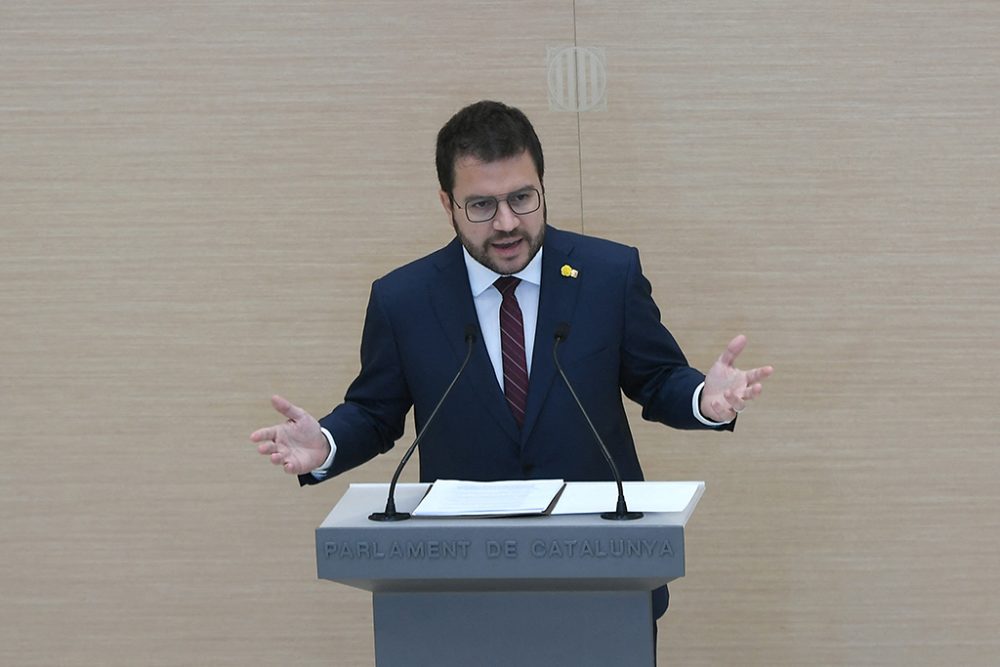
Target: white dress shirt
[487, 299]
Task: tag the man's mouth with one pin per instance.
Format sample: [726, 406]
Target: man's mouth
[507, 244]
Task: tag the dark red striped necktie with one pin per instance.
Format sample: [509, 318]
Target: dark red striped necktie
[515, 364]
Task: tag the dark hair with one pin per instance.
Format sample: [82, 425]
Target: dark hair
[487, 131]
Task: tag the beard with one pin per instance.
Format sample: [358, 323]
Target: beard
[481, 251]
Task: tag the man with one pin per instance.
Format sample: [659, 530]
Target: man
[508, 416]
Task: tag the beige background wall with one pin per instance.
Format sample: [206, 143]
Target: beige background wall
[194, 198]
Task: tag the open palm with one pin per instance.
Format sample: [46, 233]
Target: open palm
[297, 445]
[727, 388]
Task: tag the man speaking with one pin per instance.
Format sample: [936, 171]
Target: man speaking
[507, 284]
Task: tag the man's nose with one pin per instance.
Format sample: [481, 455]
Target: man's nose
[505, 220]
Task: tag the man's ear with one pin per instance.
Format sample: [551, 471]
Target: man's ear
[446, 203]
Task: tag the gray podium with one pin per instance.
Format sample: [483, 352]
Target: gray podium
[551, 590]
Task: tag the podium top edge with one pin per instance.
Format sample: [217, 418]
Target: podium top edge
[363, 498]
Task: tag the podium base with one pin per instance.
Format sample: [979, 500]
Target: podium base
[514, 628]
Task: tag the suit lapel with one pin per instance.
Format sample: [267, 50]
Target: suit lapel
[556, 304]
[451, 300]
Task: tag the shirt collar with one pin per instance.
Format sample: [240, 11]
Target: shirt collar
[482, 278]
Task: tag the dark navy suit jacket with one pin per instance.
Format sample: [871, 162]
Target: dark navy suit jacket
[414, 342]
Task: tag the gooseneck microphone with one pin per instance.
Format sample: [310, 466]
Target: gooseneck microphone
[621, 513]
[390, 513]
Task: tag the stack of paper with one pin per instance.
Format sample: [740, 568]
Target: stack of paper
[594, 497]
[453, 498]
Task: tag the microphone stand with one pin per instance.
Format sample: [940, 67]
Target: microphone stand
[390, 513]
[621, 513]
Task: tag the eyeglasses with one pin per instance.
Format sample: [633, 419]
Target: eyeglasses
[484, 209]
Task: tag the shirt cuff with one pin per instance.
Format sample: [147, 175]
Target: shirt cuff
[696, 407]
[324, 470]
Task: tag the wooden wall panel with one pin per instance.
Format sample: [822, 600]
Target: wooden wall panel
[822, 178]
[196, 197]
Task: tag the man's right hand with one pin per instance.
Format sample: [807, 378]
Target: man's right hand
[297, 445]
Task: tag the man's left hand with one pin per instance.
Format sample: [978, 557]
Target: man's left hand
[728, 390]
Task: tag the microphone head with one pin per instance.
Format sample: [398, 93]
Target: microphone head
[470, 333]
[562, 331]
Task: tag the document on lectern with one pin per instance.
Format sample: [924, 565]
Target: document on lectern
[594, 497]
[454, 498]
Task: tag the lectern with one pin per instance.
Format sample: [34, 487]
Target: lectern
[545, 590]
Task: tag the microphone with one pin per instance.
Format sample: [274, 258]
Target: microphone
[390, 513]
[621, 513]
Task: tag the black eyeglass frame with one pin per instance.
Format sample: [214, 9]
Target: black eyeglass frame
[496, 201]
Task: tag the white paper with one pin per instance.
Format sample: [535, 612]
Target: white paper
[594, 497]
[449, 497]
